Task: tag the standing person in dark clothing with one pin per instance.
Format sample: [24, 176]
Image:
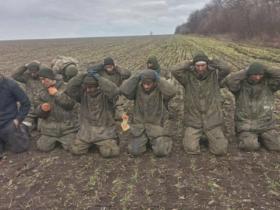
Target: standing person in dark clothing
[13, 134]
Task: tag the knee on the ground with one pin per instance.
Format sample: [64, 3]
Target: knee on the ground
[135, 150]
[108, 151]
[78, 147]
[220, 149]
[249, 145]
[20, 148]
[191, 149]
[163, 147]
[43, 147]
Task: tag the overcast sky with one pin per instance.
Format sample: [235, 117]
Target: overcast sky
[28, 19]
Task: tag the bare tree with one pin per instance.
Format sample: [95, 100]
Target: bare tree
[244, 18]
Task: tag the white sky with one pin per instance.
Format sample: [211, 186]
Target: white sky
[29, 19]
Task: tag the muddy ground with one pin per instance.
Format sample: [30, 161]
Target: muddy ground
[59, 180]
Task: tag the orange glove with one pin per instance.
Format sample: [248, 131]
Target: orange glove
[46, 107]
[52, 91]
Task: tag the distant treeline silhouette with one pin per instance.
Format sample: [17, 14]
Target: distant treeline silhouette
[241, 18]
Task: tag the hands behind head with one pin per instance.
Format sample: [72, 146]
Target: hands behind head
[155, 77]
[93, 72]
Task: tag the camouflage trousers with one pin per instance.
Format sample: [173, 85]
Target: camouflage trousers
[249, 141]
[161, 146]
[217, 141]
[15, 139]
[31, 119]
[48, 143]
[107, 148]
[123, 105]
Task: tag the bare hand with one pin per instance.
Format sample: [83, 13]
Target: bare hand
[16, 123]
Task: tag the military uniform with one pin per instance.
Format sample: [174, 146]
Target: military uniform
[149, 115]
[254, 109]
[33, 86]
[60, 123]
[117, 77]
[202, 107]
[97, 126]
[65, 67]
[152, 60]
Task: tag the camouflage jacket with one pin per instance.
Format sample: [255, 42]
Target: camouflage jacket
[150, 110]
[63, 117]
[96, 115]
[202, 98]
[32, 86]
[117, 77]
[60, 63]
[254, 103]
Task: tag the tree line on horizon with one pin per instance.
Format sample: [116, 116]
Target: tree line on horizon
[243, 19]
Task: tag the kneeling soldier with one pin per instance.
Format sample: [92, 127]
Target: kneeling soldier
[59, 114]
[151, 95]
[202, 104]
[253, 89]
[96, 94]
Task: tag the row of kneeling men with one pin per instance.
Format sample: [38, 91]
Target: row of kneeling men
[80, 110]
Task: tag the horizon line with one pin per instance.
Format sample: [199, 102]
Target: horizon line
[83, 37]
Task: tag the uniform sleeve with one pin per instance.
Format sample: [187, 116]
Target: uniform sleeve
[36, 97]
[179, 72]
[22, 98]
[125, 73]
[129, 87]
[233, 81]
[168, 91]
[222, 67]
[20, 75]
[108, 88]
[74, 87]
[65, 101]
[165, 73]
[273, 76]
[43, 97]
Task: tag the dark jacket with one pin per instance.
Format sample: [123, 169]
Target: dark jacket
[10, 94]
